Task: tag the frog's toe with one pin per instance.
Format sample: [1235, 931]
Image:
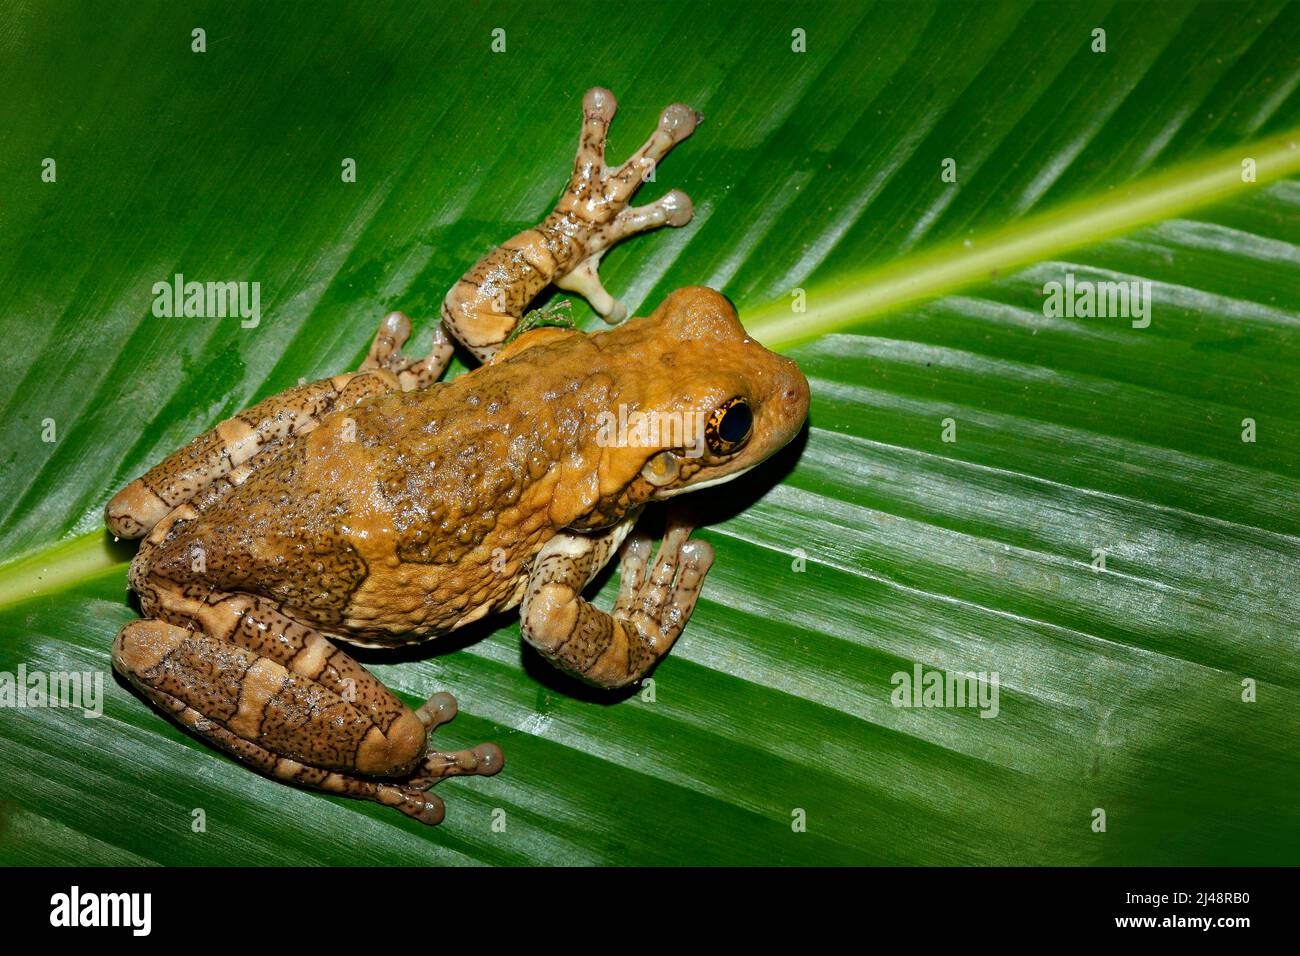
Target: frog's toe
[414, 802]
[598, 107]
[437, 710]
[490, 759]
[482, 761]
[596, 192]
[675, 124]
[394, 330]
[674, 209]
[679, 121]
[668, 595]
[386, 353]
[658, 597]
[585, 280]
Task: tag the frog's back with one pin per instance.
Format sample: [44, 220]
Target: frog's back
[410, 514]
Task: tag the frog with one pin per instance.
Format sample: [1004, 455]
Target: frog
[384, 506]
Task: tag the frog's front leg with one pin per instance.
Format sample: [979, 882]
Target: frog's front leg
[655, 600]
[565, 248]
[386, 353]
[280, 697]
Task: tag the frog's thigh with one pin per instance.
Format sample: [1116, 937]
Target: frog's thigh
[244, 630]
[128, 651]
[612, 650]
[234, 443]
[258, 699]
[256, 625]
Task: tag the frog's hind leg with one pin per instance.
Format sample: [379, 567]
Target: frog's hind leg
[654, 602]
[410, 796]
[230, 451]
[424, 807]
[282, 698]
[483, 308]
[233, 445]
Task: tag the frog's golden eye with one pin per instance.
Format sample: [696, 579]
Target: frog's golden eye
[729, 426]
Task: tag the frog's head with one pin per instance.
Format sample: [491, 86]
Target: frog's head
[713, 402]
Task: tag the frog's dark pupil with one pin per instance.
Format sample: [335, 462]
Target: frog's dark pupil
[736, 423]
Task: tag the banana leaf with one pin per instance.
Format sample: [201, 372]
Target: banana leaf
[1100, 512]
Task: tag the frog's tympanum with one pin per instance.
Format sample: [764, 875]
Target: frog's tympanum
[381, 507]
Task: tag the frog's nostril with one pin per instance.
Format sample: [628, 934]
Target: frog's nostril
[795, 396]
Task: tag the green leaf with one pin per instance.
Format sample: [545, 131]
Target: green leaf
[871, 548]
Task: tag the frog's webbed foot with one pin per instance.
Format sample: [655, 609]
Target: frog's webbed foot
[483, 760]
[386, 353]
[674, 209]
[280, 697]
[655, 601]
[595, 204]
[566, 247]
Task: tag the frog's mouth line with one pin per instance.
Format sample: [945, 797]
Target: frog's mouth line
[721, 479]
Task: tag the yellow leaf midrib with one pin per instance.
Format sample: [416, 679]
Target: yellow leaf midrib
[851, 299]
[939, 270]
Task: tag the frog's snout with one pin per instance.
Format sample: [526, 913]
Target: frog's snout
[796, 394]
[789, 398]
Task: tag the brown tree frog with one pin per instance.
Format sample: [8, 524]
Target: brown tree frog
[381, 506]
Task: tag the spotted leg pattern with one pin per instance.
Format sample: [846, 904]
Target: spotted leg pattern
[483, 308]
[655, 601]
